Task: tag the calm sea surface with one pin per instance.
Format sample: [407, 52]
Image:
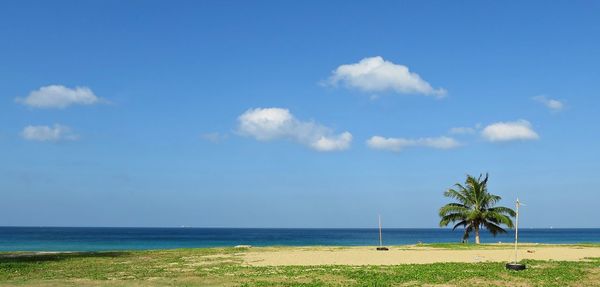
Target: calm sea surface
[106, 238]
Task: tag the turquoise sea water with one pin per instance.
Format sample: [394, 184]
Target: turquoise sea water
[108, 238]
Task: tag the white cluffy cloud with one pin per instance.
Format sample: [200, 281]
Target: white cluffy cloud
[276, 123]
[398, 144]
[48, 133]
[57, 96]
[509, 131]
[552, 104]
[378, 75]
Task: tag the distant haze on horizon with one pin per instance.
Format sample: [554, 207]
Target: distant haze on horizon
[295, 114]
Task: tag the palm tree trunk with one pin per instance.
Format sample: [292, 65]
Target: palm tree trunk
[476, 234]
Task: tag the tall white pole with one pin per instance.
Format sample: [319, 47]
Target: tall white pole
[517, 229]
[380, 240]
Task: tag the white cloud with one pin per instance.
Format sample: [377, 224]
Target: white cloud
[509, 131]
[276, 123]
[339, 142]
[48, 133]
[552, 104]
[378, 75]
[398, 144]
[57, 96]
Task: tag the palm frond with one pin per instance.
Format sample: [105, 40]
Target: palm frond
[453, 208]
[499, 218]
[503, 210]
[452, 193]
[463, 223]
[452, 217]
[493, 228]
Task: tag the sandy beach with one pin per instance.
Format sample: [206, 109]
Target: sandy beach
[410, 255]
[559, 265]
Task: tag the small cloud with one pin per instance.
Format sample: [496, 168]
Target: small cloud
[48, 133]
[375, 74]
[330, 143]
[509, 131]
[57, 96]
[552, 104]
[462, 131]
[399, 144]
[214, 137]
[265, 124]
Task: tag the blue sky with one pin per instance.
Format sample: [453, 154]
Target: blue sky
[295, 113]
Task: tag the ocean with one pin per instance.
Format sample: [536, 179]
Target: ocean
[109, 238]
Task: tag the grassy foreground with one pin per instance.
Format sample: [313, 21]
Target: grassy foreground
[223, 267]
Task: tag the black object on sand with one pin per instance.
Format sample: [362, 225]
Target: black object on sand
[515, 266]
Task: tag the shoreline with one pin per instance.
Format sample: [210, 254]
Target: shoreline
[439, 245]
[453, 245]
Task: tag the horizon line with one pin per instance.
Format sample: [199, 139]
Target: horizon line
[226, 227]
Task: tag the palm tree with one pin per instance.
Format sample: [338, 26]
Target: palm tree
[475, 208]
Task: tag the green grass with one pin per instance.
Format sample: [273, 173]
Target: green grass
[223, 267]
